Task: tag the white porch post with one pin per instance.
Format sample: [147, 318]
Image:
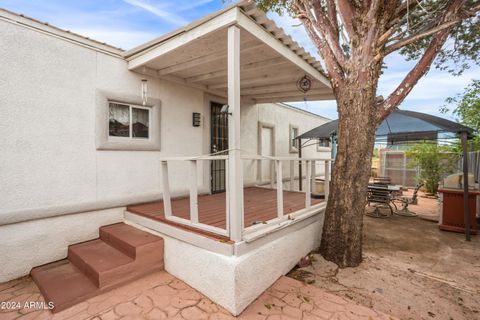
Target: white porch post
[235, 175]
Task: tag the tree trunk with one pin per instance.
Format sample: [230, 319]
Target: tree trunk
[342, 229]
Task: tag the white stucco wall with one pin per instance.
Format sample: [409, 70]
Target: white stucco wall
[281, 118]
[49, 163]
[47, 95]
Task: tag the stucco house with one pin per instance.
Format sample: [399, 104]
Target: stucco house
[187, 138]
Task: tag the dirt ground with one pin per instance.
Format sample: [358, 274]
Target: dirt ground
[411, 269]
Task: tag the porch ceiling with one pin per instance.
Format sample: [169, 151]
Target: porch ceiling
[271, 62]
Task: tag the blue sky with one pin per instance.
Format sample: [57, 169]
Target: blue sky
[128, 23]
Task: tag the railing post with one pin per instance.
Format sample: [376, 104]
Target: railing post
[314, 176]
[227, 197]
[235, 179]
[167, 204]
[193, 192]
[308, 185]
[258, 165]
[272, 173]
[327, 180]
[292, 174]
[278, 166]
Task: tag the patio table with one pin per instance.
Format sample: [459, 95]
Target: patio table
[390, 187]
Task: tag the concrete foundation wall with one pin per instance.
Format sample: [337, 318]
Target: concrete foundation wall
[235, 281]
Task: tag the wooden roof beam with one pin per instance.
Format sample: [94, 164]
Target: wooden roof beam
[260, 80]
[279, 88]
[296, 98]
[154, 73]
[246, 67]
[184, 65]
[291, 93]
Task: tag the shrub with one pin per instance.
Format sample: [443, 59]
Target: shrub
[434, 161]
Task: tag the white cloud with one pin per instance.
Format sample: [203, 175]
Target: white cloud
[194, 4]
[158, 10]
[169, 10]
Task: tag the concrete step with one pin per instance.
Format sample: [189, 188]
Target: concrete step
[131, 241]
[102, 263]
[97, 266]
[63, 284]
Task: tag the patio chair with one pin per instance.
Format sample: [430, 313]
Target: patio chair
[382, 199]
[405, 201]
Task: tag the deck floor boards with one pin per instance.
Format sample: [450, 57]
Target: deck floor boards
[260, 204]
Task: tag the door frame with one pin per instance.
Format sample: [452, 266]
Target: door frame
[266, 125]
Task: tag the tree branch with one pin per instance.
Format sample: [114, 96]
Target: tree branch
[347, 13]
[333, 68]
[403, 9]
[406, 41]
[332, 15]
[323, 26]
[423, 65]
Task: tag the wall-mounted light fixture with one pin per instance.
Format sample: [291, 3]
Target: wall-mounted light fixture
[196, 119]
[144, 91]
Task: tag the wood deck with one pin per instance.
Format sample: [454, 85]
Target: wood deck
[260, 204]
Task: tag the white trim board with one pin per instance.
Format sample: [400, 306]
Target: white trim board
[227, 249]
[200, 241]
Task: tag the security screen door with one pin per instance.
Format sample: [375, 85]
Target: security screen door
[219, 142]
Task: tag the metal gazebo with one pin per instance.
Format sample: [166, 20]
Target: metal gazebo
[403, 126]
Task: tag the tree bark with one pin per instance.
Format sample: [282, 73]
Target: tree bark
[354, 75]
[343, 224]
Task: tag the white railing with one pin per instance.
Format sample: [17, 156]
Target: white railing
[276, 178]
[193, 196]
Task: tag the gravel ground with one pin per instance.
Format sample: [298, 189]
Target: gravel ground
[411, 270]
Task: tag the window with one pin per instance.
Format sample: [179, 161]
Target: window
[294, 143]
[128, 121]
[323, 143]
[294, 136]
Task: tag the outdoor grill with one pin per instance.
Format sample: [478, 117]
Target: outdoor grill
[451, 200]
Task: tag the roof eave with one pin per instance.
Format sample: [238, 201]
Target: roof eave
[235, 14]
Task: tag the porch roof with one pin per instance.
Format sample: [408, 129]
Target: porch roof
[196, 55]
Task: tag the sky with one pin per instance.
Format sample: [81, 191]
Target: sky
[128, 23]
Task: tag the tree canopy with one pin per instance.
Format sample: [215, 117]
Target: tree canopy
[445, 33]
[353, 37]
[466, 106]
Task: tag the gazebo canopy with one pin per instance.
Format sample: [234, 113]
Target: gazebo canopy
[401, 126]
[407, 126]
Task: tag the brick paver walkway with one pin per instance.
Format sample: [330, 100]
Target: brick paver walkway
[162, 296]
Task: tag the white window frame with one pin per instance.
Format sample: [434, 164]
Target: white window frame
[103, 140]
[293, 148]
[321, 148]
[130, 106]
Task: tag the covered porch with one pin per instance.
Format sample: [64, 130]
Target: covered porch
[233, 245]
[241, 57]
